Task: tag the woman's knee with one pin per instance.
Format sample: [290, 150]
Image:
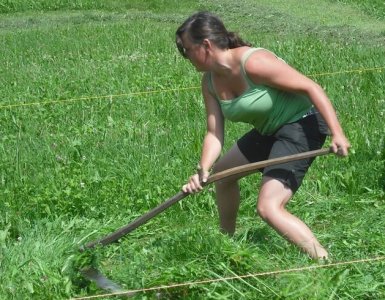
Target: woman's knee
[269, 207]
[265, 211]
[219, 166]
[273, 197]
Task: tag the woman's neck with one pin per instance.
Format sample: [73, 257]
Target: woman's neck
[224, 62]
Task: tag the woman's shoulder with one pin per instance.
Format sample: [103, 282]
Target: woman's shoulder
[257, 57]
[248, 55]
[242, 51]
[258, 53]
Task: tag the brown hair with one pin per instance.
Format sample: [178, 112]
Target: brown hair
[204, 25]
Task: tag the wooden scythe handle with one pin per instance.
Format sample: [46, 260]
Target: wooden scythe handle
[245, 169]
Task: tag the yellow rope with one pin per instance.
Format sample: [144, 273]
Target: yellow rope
[206, 281]
[379, 69]
[95, 97]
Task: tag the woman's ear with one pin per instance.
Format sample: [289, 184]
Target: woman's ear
[206, 43]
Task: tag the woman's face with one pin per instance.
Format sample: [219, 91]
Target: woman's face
[196, 53]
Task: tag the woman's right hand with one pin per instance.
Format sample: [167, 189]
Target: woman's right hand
[194, 185]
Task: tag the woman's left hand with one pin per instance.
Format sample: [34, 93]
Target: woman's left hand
[340, 145]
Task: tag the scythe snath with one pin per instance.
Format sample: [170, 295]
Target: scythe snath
[103, 282]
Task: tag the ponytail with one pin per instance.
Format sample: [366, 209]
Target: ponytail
[235, 41]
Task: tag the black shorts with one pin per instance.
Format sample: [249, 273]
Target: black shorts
[306, 134]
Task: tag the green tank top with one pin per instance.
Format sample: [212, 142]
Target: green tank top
[266, 108]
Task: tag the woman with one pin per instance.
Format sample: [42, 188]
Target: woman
[287, 110]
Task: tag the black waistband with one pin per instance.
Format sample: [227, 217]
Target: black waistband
[310, 112]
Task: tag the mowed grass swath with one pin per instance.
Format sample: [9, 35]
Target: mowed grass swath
[73, 171]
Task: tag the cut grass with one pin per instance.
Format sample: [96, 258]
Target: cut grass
[374, 8]
[327, 14]
[13, 6]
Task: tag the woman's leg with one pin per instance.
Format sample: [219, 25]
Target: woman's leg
[272, 199]
[227, 190]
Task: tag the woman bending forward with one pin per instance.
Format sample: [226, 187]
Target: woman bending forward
[289, 114]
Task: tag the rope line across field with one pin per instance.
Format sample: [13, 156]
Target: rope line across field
[224, 279]
[133, 94]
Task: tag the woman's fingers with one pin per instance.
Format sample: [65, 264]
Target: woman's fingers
[340, 145]
[193, 185]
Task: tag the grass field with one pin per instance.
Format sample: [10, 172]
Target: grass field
[102, 120]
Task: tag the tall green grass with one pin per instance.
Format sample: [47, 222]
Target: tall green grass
[96, 128]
